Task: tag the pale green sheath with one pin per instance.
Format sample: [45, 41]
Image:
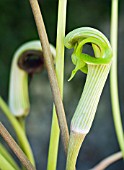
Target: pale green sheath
[28, 59]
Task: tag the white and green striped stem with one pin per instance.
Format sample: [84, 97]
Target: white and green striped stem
[85, 111]
[97, 69]
[28, 59]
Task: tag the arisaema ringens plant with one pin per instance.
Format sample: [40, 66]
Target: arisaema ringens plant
[97, 68]
[29, 59]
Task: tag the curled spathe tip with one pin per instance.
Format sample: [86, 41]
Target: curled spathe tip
[78, 38]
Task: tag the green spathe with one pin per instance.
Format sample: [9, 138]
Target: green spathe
[78, 38]
[97, 69]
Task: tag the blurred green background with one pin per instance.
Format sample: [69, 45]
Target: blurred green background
[16, 27]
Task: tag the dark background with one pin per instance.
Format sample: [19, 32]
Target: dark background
[16, 27]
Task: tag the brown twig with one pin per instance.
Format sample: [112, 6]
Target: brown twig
[51, 72]
[108, 161]
[15, 148]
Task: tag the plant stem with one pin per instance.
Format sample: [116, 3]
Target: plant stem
[19, 131]
[51, 72]
[8, 157]
[22, 120]
[15, 148]
[55, 132]
[60, 43]
[113, 77]
[73, 149]
[108, 161]
[54, 141]
[4, 164]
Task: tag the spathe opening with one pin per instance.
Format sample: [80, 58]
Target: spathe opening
[88, 49]
[31, 61]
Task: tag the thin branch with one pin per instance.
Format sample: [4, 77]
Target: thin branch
[15, 148]
[51, 73]
[108, 161]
